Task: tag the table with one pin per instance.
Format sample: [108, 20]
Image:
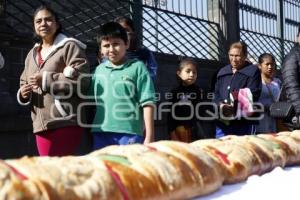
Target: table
[279, 184]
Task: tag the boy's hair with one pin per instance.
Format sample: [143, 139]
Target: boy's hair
[264, 56]
[240, 45]
[127, 21]
[111, 30]
[298, 34]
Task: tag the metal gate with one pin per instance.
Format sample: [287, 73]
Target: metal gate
[171, 27]
[269, 26]
[192, 28]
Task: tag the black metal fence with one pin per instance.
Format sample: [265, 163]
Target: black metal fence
[79, 18]
[182, 27]
[269, 26]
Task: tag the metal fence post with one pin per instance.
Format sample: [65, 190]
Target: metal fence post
[136, 9]
[280, 27]
[232, 21]
[214, 16]
[2, 14]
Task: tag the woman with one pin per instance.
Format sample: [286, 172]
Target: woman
[239, 74]
[269, 93]
[49, 83]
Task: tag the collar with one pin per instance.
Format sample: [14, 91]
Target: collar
[59, 41]
[248, 70]
[127, 63]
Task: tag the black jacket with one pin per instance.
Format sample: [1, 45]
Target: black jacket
[185, 102]
[227, 81]
[247, 77]
[291, 77]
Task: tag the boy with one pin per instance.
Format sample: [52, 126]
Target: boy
[123, 92]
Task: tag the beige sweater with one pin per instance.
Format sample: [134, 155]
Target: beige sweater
[65, 76]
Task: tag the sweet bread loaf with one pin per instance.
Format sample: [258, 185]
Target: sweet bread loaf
[161, 170]
[207, 172]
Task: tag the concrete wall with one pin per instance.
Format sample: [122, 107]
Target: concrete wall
[16, 138]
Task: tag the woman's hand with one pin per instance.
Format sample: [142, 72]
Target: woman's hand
[227, 110]
[25, 91]
[35, 80]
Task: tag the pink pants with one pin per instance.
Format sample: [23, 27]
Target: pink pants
[59, 142]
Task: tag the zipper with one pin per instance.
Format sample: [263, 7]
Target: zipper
[229, 89]
[40, 112]
[39, 91]
[41, 66]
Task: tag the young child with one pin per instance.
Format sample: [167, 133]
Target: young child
[184, 101]
[123, 93]
[270, 91]
[142, 53]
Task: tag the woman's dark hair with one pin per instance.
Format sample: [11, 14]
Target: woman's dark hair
[264, 56]
[53, 13]
[111, 30]
[127, 21]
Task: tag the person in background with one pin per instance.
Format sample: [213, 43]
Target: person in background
[183, 124]
[291, 80]
[141, 53]
[49, 82]
[231, 79]
[123, 93]
[99, 57]
[269, 93]
[2, 61]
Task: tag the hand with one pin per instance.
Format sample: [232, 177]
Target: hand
[25, 91]
[227, 110]
[174, 136]
[296, 119]
[148, 139]
[183, 134]
[35, 80]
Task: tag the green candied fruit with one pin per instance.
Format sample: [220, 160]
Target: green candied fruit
[115, 158]
[20, 194]
[269, 143]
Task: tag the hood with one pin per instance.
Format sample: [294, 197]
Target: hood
[60, 41]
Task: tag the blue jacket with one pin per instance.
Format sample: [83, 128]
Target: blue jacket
[247, 77]
[145, 55]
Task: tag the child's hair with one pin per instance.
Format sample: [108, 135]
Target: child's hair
[240, 45]
[298, 34]
[111, 30]
[127, 21]
[183, 63]
[53, 13]
[264, 56]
